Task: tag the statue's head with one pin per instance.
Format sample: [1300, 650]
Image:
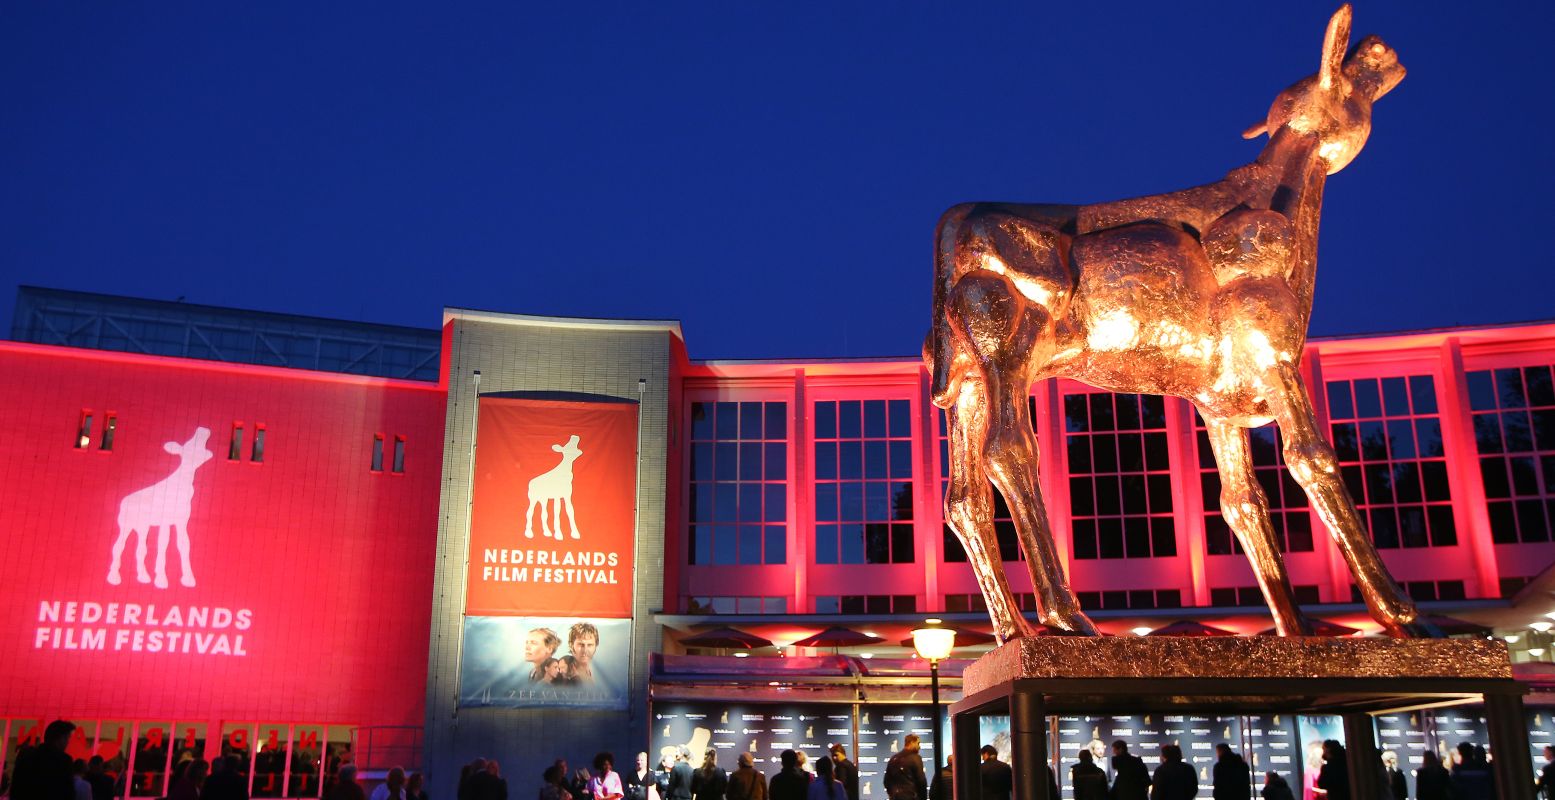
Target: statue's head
[1335, 104]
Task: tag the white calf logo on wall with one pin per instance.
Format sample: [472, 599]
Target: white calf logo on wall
[165, 505]
[554, 486]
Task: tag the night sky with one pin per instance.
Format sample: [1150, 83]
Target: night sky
[768, 173]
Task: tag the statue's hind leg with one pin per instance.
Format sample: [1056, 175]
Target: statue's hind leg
[1246, 510]
[1007, 333]
[1312, 462]
[969, 508]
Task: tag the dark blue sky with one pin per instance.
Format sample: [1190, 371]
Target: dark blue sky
[769, 173]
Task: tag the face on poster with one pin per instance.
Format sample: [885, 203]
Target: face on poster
[553, 515]
[527, 662]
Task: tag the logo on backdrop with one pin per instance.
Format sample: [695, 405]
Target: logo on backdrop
[100, 624]
[554, 486]
[162, 505]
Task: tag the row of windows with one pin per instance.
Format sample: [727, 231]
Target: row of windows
[254, 452]
[275, 760]
[1386, 433]
[866, 604]
[1231, 597]
[736, 605]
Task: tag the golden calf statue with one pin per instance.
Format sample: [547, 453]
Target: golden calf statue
[1202, 294]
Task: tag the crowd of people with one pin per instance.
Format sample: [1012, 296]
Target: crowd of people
[45, 771]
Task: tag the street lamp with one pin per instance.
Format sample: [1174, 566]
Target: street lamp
[934, 643]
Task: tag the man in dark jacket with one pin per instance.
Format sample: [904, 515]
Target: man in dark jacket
[904, 778]
[941, 788]
[1233, 780]
[1174, 780]
[1432, 781]
[746, 782]
[680, 776]
[845, 771]
[792, 783]
[1547, 775]
[1334, 776]
[1089, 781]
[998, 780]
[44, 771]
[1130, 777]
[227, 784]
[1396, 780]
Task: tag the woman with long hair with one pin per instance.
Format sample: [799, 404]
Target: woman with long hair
[709, 782]
[825, 786]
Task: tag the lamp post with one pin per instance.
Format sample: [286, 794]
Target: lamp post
[934, 643]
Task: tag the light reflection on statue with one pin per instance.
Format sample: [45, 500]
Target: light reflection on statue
[1202, 294]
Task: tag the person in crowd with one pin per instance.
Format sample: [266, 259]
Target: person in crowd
[1130, 776]
[804, 764]
[226, 783]
[1232, 778]
[680, 776]
[1276, 787]
[996, 777]
[346, 787]
[78, 781]
[44, 771]
[847, 772]
[661, 777]
[416, 787]
[606, 784]
[1088, 780]
[904, 778]
[710, 780]
[97, 777]
[1546, 784]
[539, 646]
[552, 786]
[1471, 778]
[486, 781]
[462, 792]
[746, 783]
[583, 642]
[1174, 780]
[942, 787]
[791, 783]
[1333, 778]
[825, 786]
[188, 787]
[393, 786]
[579, 784]
[639, 779]
[1398, 785]
[1431, 780]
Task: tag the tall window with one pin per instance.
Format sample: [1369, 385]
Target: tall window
[1388, 436]
[863, 482]
[739, 483]
[1514, 426]
[1288, 511]
[1120, 487]
[1003, 521]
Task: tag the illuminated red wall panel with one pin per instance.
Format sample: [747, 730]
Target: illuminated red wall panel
[311, 571]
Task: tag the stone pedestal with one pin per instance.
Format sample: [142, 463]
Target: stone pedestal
[1032, 679]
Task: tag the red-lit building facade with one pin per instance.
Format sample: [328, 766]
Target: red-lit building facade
[779, 496]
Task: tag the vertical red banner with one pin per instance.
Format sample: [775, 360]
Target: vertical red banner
[553, 519]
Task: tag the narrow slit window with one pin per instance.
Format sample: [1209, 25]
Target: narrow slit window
[399, 455]
[84, 431]
[257, 455]
[235, 450]
[377, 452]
[110, 424]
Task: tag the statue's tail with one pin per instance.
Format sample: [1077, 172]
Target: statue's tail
[939, 348]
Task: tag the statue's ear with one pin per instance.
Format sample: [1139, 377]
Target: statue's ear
[556, 447]
[1335, 41]
[173, 447]
[1256, 130]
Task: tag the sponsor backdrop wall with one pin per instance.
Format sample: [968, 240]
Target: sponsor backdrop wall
[162, 566]
[541, 383]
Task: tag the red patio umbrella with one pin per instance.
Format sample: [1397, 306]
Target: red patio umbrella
[1322, 627]
[728, 638]
[837, 636]
[1187, 627]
